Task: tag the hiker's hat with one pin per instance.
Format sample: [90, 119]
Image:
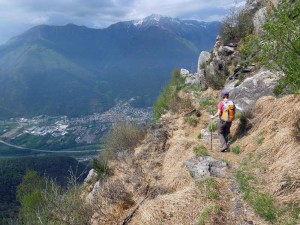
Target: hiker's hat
[224, 93]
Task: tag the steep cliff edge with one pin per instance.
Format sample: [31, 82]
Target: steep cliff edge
[177, 175]
[154, 186]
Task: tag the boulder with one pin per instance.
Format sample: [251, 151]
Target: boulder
[210, 70]
[259, 19]
[91, 177]
[248, 69]
[252, 6]
[91, 196]
[205, 166]
[233, 45]
[226, 50]
[252, 88]
[204, 57]
[202, 79]
[184, 72]
[192, 79]
[205, 134]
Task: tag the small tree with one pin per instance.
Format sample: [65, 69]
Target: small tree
[281, 44]
[45, 202]
[168, 99]
[30, 195]
[236, 25]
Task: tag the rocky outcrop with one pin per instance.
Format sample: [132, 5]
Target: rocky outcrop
[205, 166]
[259, 19]
[184, 72]
[190, 78]
[204, 57]
[92, 176]
[252, 88]
[253, 6]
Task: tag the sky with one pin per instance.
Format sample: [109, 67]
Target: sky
[17, 16]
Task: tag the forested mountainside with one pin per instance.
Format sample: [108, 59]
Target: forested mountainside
[173, 172]
[74, 70]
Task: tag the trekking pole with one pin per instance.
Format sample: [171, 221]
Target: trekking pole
[211, 148]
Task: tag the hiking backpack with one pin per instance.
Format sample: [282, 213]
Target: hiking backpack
[228, 111]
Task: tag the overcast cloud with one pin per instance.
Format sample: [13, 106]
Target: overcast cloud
[16, 16]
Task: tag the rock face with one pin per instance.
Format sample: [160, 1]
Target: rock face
[184, 72]
[204, 57]
[189, 78]
[204, 166]
[252, 88]
[254, 5]
[259, 19]
[92, 176]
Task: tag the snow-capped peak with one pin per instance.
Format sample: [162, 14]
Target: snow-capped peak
[153, 19]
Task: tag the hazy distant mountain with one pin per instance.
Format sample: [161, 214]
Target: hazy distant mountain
[74, 70]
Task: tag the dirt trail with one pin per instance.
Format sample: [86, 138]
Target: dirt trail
[237, 210]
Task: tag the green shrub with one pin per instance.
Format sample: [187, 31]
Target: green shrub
[262, 204]
[214, 209]
[213, 126]
[216, 81]
[200, 150]
[45, 202]
[236, 149]
[236, 25]
[249, 46]
[238, 115]
[281, 44]
[199, 136]
[208, 103]
[100, 164]
[244, 178]
[209, 188]
[168, 99]
[122, 139]
[192, 121]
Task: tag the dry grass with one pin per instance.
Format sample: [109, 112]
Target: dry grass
[155, 183]
[279, 150]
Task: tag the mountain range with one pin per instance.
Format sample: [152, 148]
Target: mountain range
[74, 70]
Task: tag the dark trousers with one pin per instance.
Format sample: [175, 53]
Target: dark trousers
[224, 131]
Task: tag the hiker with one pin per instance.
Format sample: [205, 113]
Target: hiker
[226, 111]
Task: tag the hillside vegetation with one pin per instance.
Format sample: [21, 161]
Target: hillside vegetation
[78, 71]
[13, 170]
[172, 171]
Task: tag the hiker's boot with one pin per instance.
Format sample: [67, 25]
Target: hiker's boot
[223, 149]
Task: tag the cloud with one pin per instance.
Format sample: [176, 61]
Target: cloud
[19, 15]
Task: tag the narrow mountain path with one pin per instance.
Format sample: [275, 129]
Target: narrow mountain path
[238, 211]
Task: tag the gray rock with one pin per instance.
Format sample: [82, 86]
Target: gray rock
[91, 196]
[204, 57]
[202, 79]
[226, 50]
[184, 72]
[205, 134]
[259, 19]
[192, 79]
[253, 6]
[211, 69]
[233, 45]
[248, 69]
[235, 73]
[204, 166]
[91, 177]
[252, 88]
